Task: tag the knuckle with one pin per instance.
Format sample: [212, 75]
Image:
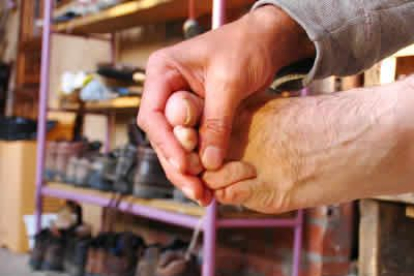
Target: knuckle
[218, 126]
[157, 58]
[141, 121]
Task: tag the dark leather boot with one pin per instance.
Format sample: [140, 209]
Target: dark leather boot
[175, 263]
[102, 168]
[38, 253]
[150, 180]
[123, 255]
[124, 173]
[54, 254]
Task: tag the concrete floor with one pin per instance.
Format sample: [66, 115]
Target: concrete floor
[17, 265]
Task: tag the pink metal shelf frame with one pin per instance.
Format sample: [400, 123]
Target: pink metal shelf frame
[211, 222]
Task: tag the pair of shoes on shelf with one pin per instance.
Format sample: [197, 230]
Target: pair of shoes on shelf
[114, 254]
[171, 260]
[60, 250]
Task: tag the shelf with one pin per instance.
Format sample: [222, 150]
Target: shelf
[119, 104]
[168, 211]
[139, 12]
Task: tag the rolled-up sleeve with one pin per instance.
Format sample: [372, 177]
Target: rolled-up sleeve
[350, 35]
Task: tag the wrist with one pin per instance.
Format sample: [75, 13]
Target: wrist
[287, 40]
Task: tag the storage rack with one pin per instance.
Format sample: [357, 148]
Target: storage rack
[126, 15]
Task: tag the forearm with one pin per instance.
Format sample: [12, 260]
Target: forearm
[358, 142]
[350, 35]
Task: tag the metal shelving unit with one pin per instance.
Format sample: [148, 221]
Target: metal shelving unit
[143, 11]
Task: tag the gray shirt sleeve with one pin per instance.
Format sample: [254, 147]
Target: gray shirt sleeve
[350, 35]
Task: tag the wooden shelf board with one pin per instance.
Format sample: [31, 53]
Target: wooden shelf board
[121, 103]
[140, 12]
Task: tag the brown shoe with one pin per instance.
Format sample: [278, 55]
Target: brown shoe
[147, 264]
[123, 251]
[175, 263]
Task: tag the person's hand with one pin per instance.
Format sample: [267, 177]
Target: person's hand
[305, 152]
[223, 67]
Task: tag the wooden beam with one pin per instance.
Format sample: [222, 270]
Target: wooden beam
[140, 12]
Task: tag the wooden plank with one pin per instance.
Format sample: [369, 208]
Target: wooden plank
[368, 236]
[140, 12]
[409, 211]
[408, 51]
[122, 103]
[386, 239]
[403, 198]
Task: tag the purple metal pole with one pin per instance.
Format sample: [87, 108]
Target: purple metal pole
[210, 219]
[297, 244]
[209, 247]
[41, 123]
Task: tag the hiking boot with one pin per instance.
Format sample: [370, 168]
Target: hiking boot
[150, 180]
[176, 263]
[123, 254]
[148, 262]
[38, 252]
[102, 168]
[124, 173]
[76, 253]
[91, 263]
[54, 254]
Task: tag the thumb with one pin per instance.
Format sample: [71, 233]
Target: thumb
[216, 125]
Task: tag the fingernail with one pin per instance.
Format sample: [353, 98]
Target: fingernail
[212, 158]
[188, 117]
[175, 164]
[189, 192]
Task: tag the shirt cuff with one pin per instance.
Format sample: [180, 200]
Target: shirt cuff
[302, 73]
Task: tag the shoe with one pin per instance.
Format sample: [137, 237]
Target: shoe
[77, 248]
[124, 172]
[176, 263]
[38, 252]
[82, 172]
[148, 262]
[102, 168]
[66, 150]
[91, 263]
[150, 180]
[54, 253]
[123, 255]
[50, 161]
[70, 176]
